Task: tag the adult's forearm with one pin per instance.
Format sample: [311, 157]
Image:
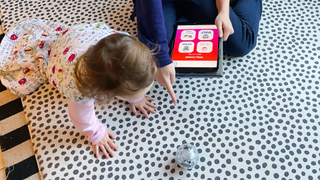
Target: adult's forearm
[151, 28]
[223, 6]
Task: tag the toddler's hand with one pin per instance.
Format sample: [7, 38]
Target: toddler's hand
[144, 105]
[106, 145]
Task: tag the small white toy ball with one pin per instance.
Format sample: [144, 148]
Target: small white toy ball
[187, 156]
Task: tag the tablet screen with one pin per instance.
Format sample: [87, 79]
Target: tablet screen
[196, 46]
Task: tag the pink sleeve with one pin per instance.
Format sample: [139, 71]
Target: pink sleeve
[84, 119]
[135, 100]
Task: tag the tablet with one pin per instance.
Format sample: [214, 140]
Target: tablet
[195, 49]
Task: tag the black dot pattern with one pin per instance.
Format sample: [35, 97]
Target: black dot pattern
[115, 13]
[259, 121]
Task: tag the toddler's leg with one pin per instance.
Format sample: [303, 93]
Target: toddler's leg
[24, 52]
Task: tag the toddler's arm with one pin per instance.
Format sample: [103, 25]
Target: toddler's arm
[84, 119]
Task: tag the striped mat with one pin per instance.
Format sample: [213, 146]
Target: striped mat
[17, 159]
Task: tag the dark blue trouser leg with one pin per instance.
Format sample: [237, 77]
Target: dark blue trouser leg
[171, 16]
[185, 11]
[199, 10]
[244, 15]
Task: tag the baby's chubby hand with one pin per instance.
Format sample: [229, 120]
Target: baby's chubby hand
[143, 105]
[106, 145]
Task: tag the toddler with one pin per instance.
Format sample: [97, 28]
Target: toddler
[86, 63]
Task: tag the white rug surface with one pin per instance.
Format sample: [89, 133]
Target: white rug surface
[259, 121]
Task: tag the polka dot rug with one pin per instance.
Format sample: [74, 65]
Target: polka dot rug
[259, 121]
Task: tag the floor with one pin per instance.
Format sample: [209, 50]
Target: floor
[259, 121]
[17, 159]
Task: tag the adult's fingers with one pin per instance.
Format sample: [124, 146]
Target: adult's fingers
[232, 30]
[225, 35]
[227, 32]
[173, 76]
[219, 27]
[171, 92]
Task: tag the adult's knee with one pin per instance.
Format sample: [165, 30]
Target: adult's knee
[239, 48]
[238, 51]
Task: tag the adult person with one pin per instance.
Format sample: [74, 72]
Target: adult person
[237, 22]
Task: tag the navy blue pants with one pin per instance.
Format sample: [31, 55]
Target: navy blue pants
[244, 15]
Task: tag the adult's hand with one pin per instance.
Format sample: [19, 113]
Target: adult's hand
[165, 77]
[223, 23]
